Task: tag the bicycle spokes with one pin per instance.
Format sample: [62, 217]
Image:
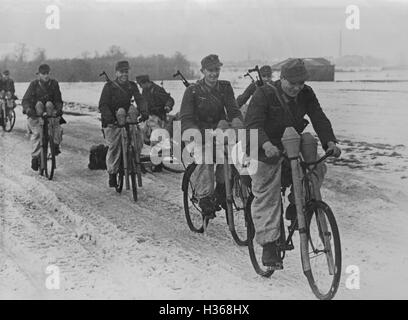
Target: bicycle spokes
[324, 251]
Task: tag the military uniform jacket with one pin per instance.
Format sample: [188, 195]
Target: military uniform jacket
[7, 85]
[203, 107]
[115, 96]
[266, 114]
[44, 92]
[157, 98]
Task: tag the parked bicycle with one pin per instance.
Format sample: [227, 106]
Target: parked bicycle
[237, 194]
[47, 157]
[319, 235]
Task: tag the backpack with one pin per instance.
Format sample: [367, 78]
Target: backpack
[97, 157]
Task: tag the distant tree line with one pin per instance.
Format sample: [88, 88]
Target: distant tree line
[87, 68]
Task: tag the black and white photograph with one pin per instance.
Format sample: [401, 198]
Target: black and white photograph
[203, 150]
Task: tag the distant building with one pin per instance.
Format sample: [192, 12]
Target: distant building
[320, 69]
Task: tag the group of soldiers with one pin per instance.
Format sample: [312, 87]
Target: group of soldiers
[207, 104]
[274, 106]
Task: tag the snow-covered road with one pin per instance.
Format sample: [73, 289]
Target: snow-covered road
[107, 246]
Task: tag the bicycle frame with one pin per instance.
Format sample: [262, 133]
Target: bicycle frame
[46, 134]
[302, 190]
[130, 138]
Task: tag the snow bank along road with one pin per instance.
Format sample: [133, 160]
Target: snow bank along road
[107, 246]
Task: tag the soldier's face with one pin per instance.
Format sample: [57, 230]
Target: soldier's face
[292, 88]
[267, 78]
[5, 76]
[211, 75]
[44, 76]
[122, 75]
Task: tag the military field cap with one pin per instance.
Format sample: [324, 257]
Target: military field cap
[294, 70]
[44, 68]
[210, 61]
[143, 78]
[122, 65]
[6, 72]
[266, 71]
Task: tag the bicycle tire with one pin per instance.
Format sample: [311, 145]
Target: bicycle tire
[174, 170]
[255, 260]
[119, 180]
[50, 163]
[238, 212]
[134, 185]
[193, 222]
[12, 121]
[322, 212]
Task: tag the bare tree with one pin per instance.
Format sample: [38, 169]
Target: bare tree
[115, 52]
[21, 52]
[39, 55]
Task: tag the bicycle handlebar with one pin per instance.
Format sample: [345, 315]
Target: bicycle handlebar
[328, 154]
[46, 116]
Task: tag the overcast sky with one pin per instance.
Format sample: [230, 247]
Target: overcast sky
[234, 29]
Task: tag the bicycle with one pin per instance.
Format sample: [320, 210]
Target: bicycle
[47, 156]
[319, 234]
[8, 117]
[166, 149]
[130, 164]
[237, 194]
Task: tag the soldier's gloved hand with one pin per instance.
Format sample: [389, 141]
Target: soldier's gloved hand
[223, 125]
[331, 147]
[237, 123]
[271, 151]
[167, 109]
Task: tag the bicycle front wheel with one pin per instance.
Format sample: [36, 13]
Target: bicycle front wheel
[50, 162]
[192, 210]
[119, 180]
[9, 121]
[134, 185]
[238, 223]
[324, 250]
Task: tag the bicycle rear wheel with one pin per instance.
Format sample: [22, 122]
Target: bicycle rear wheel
[238, 223]
[173, 166]
[9, 121]
[324, 250]
[192, 210]
[255, 250]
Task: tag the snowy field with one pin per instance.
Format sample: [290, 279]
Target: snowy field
[107, 246]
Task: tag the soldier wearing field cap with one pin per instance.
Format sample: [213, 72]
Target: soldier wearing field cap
[159, 104]
[207, 104]
[267, 114]
[42, 95]
[266, 74]
[116, 99]
[7, 91]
